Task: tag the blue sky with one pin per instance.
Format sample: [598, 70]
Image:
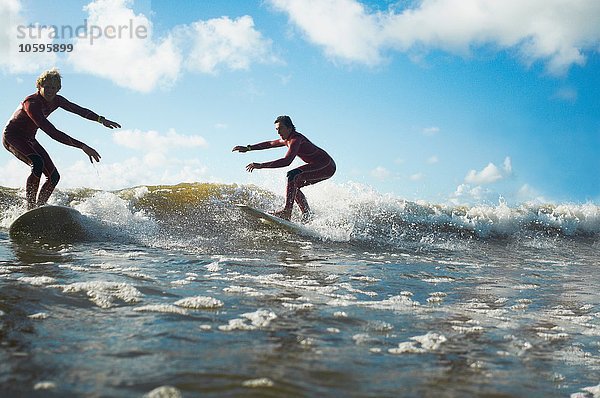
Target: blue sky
[454, 101]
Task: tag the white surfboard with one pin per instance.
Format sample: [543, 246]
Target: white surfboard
[55, 223]
[277, 222]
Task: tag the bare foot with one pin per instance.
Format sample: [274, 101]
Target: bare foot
[285, 214]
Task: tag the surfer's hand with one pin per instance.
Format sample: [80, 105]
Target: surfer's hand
[240, 148]
[110, 124]
[91, 152]
[253, 166]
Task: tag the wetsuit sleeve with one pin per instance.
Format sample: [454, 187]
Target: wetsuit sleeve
[267, 145]
[76, 109]
[34, 111]
[288, 158]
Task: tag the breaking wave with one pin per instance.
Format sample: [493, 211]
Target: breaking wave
[204, 214]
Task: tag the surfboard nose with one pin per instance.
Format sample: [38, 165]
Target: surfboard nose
[49, 223]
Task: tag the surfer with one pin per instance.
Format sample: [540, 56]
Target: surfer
[19, 135]
[319, 165]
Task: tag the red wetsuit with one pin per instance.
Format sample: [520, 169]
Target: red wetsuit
[319, 165]
[19, 134]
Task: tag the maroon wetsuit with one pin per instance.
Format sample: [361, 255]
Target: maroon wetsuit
[319, 166]
[19, 134]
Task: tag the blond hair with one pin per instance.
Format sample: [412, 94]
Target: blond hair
[52, 74]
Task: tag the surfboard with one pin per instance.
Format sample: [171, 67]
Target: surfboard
[55, 223]
[276, 221]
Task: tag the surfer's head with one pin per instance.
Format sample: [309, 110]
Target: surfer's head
[284, 126]
[49, 83]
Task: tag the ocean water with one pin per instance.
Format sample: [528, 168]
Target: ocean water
[175, 292]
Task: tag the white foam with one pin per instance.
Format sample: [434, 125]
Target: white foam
[11, 214]
[394, 303]
[362, 338]
[199, 302]
[428, 342]
[164, 392]
[44, 385]
[214, 267]
[39, 315]
[37, 280]
[468, 329]
[103, 293]
[256, 383]
[439, 279]
[553, 336]
[365, 278]
[139, 275]
[236, 324]
[258, 319]
[247, 291]
[165, 308]
[111, 210]
[593, 390]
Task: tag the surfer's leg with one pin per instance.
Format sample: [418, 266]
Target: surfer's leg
[290, 195]
[24, 151]
[302, 202]
[33, 181]
[286, 212]
[52, 176]
[313, 173]
[31, 189]
[303, 205]
[48, 188]
[309, 174]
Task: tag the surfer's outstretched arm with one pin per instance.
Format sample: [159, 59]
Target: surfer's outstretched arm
[259, 146]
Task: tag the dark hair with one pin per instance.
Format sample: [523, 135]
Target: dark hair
[286, 120]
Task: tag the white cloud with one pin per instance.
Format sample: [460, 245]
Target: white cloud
[16, 31]
[555, 31]
[474, 190]
[143, 62]
[490, 173]
[529, 194]
[466, 193]
[136, 61]
[380, 173]
[342, 27]
[155, 165]
[154, 142]
[14, 173]
[234, 44]
[152, 169]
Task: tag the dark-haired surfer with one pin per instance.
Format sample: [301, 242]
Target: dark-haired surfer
[319, 165]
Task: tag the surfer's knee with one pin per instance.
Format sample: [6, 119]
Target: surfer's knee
[292, 174]
[54, 177]
[37, 165]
